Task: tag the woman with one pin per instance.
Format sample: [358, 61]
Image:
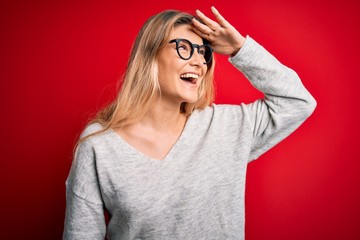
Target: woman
[162, 160]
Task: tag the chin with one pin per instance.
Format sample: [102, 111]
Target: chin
[190, 99]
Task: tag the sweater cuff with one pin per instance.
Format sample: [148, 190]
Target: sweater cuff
[245, 53]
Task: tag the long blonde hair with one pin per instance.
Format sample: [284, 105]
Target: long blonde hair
[140, 87]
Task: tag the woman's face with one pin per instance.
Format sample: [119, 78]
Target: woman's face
[180, 79]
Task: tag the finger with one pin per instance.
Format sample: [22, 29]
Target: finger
[207, 21]
[201, 27]
[201, 33]
[221, 20]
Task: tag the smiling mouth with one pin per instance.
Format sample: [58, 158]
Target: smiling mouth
[189, 77]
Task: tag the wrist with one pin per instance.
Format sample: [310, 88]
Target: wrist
[237, 46]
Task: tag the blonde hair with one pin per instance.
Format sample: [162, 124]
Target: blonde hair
[140, 88]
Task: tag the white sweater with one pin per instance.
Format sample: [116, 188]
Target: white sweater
[197, 190]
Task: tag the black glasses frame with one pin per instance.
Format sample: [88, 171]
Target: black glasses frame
[193, 46]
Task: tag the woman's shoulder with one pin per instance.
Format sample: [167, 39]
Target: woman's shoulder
[94, 135]
[219, 108]
[90, 129]
[220, 112]
[224, 114]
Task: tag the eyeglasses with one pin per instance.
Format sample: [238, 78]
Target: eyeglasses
[185, 50]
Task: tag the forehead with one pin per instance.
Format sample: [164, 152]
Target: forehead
[185, 31]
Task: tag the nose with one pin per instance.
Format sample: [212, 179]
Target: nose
[196, 58]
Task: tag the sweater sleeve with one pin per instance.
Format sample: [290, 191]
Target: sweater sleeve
[84, 217]
[286, 104]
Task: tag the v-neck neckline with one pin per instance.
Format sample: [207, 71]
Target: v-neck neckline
[177, 145]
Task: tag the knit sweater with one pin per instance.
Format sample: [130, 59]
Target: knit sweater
[197, 190]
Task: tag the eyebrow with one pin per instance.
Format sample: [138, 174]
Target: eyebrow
[202, 43]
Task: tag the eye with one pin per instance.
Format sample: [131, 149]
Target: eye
[183, 47]
[202, 51]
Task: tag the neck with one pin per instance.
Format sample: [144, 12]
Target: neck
[165, 117]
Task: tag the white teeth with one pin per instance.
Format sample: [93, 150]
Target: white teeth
[189, 75]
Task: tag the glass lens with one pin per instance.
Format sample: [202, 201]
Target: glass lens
[185, 49]
[205, 52]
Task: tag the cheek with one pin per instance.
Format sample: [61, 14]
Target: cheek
[164, 72]
[170, 68]
[166, 75]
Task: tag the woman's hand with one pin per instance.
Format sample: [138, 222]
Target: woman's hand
[224, 38]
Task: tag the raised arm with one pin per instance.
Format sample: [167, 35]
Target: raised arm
[287, 103]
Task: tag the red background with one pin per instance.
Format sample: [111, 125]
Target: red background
[60, 61]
